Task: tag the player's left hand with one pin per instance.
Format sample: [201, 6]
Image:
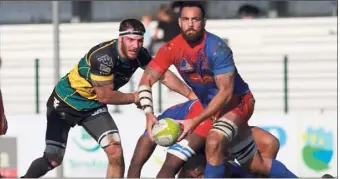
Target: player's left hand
[188, 127]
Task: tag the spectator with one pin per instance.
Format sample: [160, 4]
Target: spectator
[149, 31]
[247, 11]
[167, 28]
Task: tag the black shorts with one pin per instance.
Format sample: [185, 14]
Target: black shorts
[97, 122]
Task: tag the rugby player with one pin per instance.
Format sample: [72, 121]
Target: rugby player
[194, 168]
[268, 144]
[82, 95]
[206, 64]
[3, 121]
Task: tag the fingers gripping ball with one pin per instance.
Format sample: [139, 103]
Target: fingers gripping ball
[166, 132]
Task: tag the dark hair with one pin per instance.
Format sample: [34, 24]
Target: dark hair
[193, 4]
[131, 24]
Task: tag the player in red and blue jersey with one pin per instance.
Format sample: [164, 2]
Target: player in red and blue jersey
[266, 142]
[206, 64]
[178, 153]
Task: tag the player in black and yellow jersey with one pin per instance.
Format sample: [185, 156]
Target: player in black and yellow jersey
[80, 97]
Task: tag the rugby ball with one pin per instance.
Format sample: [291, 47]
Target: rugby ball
[166, 132]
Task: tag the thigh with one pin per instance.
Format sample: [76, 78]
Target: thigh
[204, 127]
[56, 133]
[243, 147]
[240, 109]
[102, 128]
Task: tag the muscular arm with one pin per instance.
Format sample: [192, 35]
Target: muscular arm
[224, 71]
[102, 78]
[152, 73]
[107, 95]
[225, 84]
[174, 83]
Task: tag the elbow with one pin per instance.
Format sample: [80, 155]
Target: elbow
[103, 100]
[102, 97]
[228, 95]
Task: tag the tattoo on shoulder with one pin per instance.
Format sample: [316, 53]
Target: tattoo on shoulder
[101, 83]
[152, 72]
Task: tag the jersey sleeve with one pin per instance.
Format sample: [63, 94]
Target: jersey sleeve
[163, 59]
[223, 61]
[101, 65]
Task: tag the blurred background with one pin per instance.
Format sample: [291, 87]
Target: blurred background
[285, 50]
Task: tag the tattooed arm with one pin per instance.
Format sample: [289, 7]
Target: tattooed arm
[174, 83]
[153, 72]
[224, 70]
[225, 85]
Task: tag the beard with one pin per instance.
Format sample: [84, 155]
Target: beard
[194, 37]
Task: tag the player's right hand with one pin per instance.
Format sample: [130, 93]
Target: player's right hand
[150, 121]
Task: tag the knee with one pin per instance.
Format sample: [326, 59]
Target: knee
[271, 145]
[114, 154]
[214, 140]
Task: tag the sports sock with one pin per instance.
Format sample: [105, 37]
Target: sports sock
[214, 171]
[38, 168]
[238, 171]
[279, 170]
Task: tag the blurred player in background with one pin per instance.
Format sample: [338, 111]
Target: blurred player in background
[268, 144]
[3, 121]
[82, 95]
[206, 64]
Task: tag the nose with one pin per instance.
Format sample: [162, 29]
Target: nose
[135, 44]
[191, 23]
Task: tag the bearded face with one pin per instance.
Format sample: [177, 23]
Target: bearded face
[192, 24]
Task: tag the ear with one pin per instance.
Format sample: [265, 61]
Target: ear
[204, 22]
[179, 22]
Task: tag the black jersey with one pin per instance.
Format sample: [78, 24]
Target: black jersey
[101, 63]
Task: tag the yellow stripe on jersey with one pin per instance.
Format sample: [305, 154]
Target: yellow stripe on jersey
[101, 78]
[88, 57]
[81, 85]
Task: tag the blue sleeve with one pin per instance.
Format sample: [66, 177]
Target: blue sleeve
[223, 61]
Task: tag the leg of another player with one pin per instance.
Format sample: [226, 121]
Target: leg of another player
[179, 153]
[142, 153]
[267, 143]
[254, 161]
[218, 139]
[104, 130]
[116, 161]
[56, 139]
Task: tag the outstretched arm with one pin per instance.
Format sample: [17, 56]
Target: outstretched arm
[153, 72]
[176, 84]
[224, 71]
[225, 85]
[102, 78]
